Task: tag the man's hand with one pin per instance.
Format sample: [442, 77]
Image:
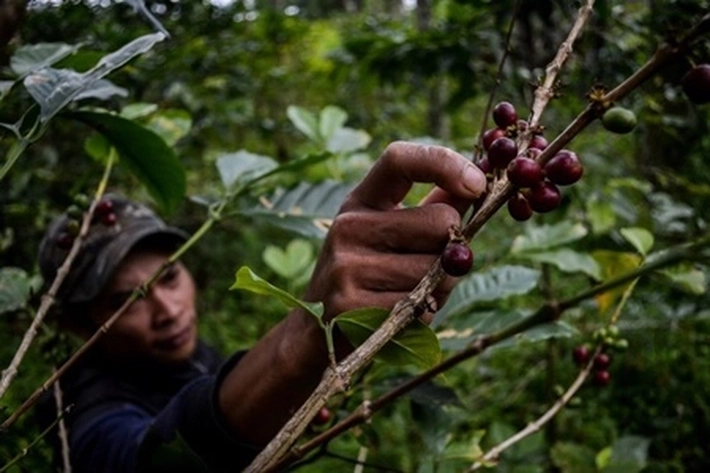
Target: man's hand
[377, 251]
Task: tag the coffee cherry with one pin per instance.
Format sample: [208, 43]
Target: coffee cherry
[524, 172]
[64, 241]
[602, 361]
[456, 259]
[538, 142]
[82, 200]
[504, 114]
[108, 219]
[581, 354]
[519, 207]
[619, 120]
[73, 227]
[322, 417]
[564, 168]
[73, 211]
[485, 165]
[696, 84]
[602, 378]
[544, 197]
[502, 151]
[489, 136]
[104, 207]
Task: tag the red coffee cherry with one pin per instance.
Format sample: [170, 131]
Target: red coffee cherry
[602, 378]
[485, 165]
[524, 172]
[104, 207]
[581, 354]
[489, 136]
[502, 151]
[564, 168]
[519, 207]
[108, 219]
[544, 197]
[696, 84]
[602, 361]
[538, 142]
[322, 417]
[64, 241]
[456, 259]
[504, 114]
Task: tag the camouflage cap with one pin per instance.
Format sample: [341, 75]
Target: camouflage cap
[118, 224]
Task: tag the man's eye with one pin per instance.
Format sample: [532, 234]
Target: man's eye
[170, 274]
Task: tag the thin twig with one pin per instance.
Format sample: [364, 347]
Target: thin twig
[62, 432]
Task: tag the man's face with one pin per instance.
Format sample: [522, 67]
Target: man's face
[160, 327]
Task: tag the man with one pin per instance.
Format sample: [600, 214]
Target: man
[151, 397]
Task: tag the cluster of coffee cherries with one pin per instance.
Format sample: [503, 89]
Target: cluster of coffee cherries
[103, 213]
[608, 338]
[537, 186]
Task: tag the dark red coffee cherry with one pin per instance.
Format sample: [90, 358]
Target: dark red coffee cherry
[524, 172]
[502, 151]
[602, 378]
[696, 84]
[544, 197]
[581, 354]
[504, 114]
[489, 136]
[456, 259]
[564, 168]
[602, 361]
[538, 142]
[64, 241]
[104, 207]
[108, 219]
[519, 207]
[485, 165]
[322, 417]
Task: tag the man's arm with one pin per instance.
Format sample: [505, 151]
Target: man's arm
[375, 253]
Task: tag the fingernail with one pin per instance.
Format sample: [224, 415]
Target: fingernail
[473, 179]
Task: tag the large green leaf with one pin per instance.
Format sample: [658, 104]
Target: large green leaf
[238, 168]
[14, 289]
[416, 344]
[33, 57]
[495, 284]
[548, 236]
[290, 261]
[629, 454]
[568, 261]
[304, 121]
[247, 280]
[345, 140]
[54, 89]
[688, 278]
[144, 153]
[640, 238]
[332, 118]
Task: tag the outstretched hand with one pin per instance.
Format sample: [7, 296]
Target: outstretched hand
[377, 251]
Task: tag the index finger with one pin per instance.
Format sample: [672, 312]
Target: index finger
[402, 164]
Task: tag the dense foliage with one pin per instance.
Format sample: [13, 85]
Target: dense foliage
[328, 83]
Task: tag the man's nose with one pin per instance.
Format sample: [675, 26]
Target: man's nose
[165, 304]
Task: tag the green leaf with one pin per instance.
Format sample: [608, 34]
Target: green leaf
[416, 344]
[629, 454]
[304, 121]
[98, 147]
[241, 167]
[687, 278]
[248, 281]
[5, 86]
[614, 263]
[346, 140]
[569, 261]
[34, 57]
[601, 216]
[495, 284]
[332, 118]
[290, 262]
[548, 236]
[54, 89]
[148, 157]
[133, 111]
[14, 289]
[171, 125]
[571, 457]
[640, 238]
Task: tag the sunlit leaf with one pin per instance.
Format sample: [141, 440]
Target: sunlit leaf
[415, 344]
[247, 280]
[171, 125]
[687, 278]
[345, 140]
[14, 289]
[640, 238]
[545, 237]
[292, 260]
[332, 118]
[614, 263]
[304, 121]
[243, 166]
[568, 261]
[133, 111]
[146, 154]
[33, 57]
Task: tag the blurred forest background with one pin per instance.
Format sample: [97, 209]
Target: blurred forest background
[247, 78]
